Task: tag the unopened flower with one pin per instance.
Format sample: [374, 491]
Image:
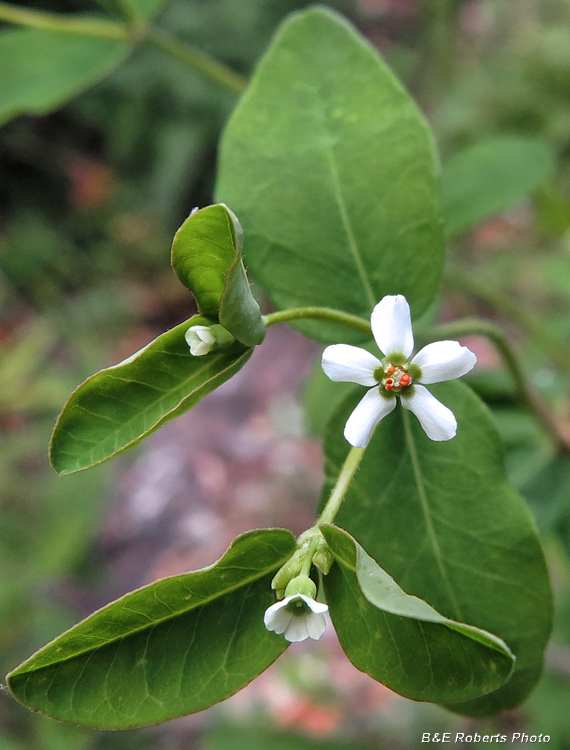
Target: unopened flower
[200, 339]
[298, 616]
[397, 374]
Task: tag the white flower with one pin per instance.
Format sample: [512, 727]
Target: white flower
[397, 374]
[200, 339]
[298, 617]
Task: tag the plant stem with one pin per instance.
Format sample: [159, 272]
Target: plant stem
[351, 464]
[319, 313]
[308, 561]
[198, 60]
[133, 30]
[557, 351]
[527, 392]
[91, 27]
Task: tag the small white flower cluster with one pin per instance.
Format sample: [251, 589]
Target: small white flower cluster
[397, 374]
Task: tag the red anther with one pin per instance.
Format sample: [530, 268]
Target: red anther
[405, 379]
[388, 387]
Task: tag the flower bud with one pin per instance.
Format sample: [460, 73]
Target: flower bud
[287, 571]
[200, 339]
[203, 339]
[323, 559]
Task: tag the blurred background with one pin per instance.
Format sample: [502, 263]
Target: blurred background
[90, 196]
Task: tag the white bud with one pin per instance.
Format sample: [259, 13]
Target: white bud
[200, 340]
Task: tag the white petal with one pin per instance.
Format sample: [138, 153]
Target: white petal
[361, 423]
[444, 360]
[436, 419]
[200, 339]
[350, 364]
[314, 606]
[392, 326]
[277, 618]
[316, 625]
[297, 630]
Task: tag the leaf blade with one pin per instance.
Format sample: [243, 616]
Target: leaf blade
[155, 633]
[333, 173]
[137, 397]
[383, 635]
[471, 550]
[489, 177]
[44, 69]
[206, 257]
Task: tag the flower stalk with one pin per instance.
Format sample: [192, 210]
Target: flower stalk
[131, 31]
[526, 391]
[343, 482]
[47, 21]
[318, 313]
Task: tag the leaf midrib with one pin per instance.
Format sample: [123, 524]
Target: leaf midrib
[154, 623]
[422, 494]
[337, 192]
[124, 425]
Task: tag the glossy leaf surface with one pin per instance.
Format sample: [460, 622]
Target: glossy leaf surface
[118, 407]
[441, 519]
[399, 639]
[332, 171]
[489, 177]
[171, 648]
[41, 70]
[206, 256]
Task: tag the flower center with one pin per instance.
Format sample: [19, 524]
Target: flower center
[297, 607]
[395, 377]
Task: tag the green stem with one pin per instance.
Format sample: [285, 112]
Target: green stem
[65, 24]
[308, 561]
[556, 350]
[93, 27]
[198, 60]
[527, 392]
[319, 313]
[351, 464]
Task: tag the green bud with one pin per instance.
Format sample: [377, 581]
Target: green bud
[301, 585]
[288, 571]
[323, 560]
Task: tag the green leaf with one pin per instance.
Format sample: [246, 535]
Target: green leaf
[399, 639]
[147, 9]
[206, 256]
[442, 520]
[41, 70]
[547, 493]
[333, 172]
[118, 407]
[489, 177]
[321, 396]
[171, 648]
